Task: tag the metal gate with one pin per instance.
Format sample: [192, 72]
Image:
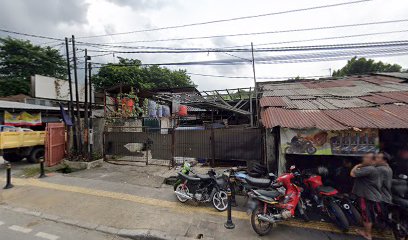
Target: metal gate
[54, 143]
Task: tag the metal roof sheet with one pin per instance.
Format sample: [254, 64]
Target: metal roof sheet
[348, 102]
[399, 111]
[380, 118]
[272, 102]
[299, 119]
[279, 93]
[378, 99]
[19, 105]
[305, 104]
[396, 75]
[349, 118]
[399, 96]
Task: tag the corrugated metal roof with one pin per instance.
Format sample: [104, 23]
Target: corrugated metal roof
[399, 96]
[349, 118]
[395, 74]
[272, 102]
[19, 105]
[399, 111]
[305, 104]
[380, 118]
[378, 99]
[348, 102]
[299, 119]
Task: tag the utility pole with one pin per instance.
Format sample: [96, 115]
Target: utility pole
[71, 130]
[255, 88]
[79, 129]
[86, 123]
[90, 136]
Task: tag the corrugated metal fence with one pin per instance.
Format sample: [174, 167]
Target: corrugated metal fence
[167, 146]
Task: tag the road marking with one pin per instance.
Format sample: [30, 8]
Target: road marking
[46, 236]
[177, 206]
[20, 229]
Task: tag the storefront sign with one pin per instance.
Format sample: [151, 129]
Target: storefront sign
[319, 142]
[22, 119]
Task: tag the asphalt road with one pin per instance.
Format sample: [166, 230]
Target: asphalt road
[18, 226]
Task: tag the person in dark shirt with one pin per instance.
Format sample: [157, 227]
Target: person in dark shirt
[385, 171]
[342, 179]
[366, 186]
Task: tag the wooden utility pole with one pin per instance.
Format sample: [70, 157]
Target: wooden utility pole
[255, 88]
[79, 129]
[71, 130]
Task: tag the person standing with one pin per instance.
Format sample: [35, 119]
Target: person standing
[382, 159]
[366, 186]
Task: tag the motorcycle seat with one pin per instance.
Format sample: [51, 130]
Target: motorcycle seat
[258, 182]
[188, 177]
[203, 176]
[327, 190]
[268, 193]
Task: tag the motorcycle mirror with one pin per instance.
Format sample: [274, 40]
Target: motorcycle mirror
[293, 167]
[272, 176]
[403, 176]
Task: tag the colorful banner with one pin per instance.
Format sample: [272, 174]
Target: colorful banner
[22, 119]
[318, 142]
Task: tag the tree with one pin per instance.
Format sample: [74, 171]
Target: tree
[364, 66]
[19, 60]
[131, 71]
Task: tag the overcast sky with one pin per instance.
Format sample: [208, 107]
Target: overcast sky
[61, 18]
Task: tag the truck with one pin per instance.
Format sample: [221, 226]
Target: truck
[16, 145]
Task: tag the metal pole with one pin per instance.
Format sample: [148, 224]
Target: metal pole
[250, 107]
[229, 224]
[79, 129]
[72, 130]
[86, 124]
[8, 183]
[256, 91]
[90, 136]
[42, 170]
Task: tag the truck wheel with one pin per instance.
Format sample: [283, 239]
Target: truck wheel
[35, 155]
[12, 157]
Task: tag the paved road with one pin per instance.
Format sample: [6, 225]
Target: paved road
[18, 226]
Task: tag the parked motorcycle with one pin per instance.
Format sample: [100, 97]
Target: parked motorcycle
[328, 200]
[268, 207]
[399, 209]
[201, 188]
[300, 145]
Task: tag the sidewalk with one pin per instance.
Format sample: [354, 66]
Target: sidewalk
[103, 205]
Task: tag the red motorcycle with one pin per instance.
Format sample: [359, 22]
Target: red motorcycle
[327, 199]
[268, 207]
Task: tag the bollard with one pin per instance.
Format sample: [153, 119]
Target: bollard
[42, 170]
[8, 184]
[229, 224]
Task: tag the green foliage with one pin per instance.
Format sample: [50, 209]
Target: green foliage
[19, 60]
[130, 71]
[364, 66]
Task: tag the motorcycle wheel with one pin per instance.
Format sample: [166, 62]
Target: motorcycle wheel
[260, 227]
[179, 187]
[220, 200]
[356, 218]
[288, 150]
[337, 216]
[311, 150]
[399, 234]
[301, 210]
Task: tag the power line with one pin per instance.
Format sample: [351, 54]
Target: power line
[275, 49]
[268, 32]
[30, 35]
[227, 20]
[243, 77]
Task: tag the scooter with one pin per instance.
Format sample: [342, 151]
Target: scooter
[267, 207]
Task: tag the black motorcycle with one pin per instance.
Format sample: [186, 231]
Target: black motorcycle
[399, 210]
[202, 188]
[300, 145]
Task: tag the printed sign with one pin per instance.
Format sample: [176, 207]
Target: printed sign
[319, 142]
[22, 119]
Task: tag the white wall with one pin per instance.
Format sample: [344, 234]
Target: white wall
[55, 89]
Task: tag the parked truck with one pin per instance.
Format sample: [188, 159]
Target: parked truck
[22, 144]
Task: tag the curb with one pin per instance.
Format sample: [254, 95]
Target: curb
[139, 234]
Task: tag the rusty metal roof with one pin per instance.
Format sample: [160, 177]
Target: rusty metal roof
[349, 118]
[381, 119]
[399, 111]
[378, 99]
[399, 96]
[299, 119]
[272, 102]
[348, 102]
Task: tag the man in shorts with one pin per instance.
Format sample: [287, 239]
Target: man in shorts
[366, 186]
[385, 171]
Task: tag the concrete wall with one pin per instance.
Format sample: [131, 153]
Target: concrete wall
[98, 128]
[270, 150]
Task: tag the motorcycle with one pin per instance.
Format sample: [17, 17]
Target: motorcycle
[399, 210]
[267, 207]
[300, 145]
[328, 200]
[201, 188]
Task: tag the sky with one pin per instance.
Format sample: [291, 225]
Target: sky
[59, 18]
